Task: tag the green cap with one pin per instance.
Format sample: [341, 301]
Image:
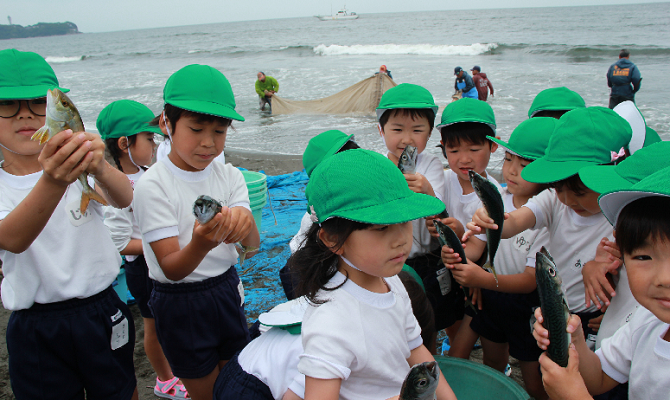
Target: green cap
[322, 146]
[201, 89]
[125, 118]
[656, 184]
[406, 95]
[530, 139]
[364, 186]
[25, 75]
[583, 137]
[556, 99]
[651, 137]
[646, 161]
[468, 110]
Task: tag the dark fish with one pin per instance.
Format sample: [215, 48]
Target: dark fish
[205, 208]
[554, 307]
[407, 161]
[447, 237]
[444, 214]
[490, 196]
[421, 382]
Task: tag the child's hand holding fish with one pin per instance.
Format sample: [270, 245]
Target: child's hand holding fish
[470, 274]
[541, 334]
[65, 157]
[212, 233]
[419, 184]
[563, 383]
[451, 222]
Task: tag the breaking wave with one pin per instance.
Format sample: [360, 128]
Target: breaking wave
[60, 60]
[399, 49]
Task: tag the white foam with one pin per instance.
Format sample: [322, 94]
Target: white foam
[399, 49]
[59, 60]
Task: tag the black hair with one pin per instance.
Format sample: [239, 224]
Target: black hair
[314, 264]
[350, 145]
[115, 152]
[550, 113]
[423, 311]
[624, 53]
[174, 113]
[573, 183]
[643, 220]
[414, 113]
[470, 132]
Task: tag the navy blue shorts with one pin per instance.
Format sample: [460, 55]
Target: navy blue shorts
[505, 318]
[63, 350]
[139, 284]
[234, 383]
[448, 308]
[199, 323]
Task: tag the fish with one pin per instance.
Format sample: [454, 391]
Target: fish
[421, 382]
[447, 237]
[444, 214]
[554, 307]
[62, 114]
[407, 161]
[243, 250]
[490, 196]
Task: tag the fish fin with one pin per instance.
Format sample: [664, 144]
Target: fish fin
[89, 194]
[41, 135]
[489, 267]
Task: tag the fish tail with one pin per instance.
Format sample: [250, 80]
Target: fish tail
[489, 266]
[88, 194]
[41, 135]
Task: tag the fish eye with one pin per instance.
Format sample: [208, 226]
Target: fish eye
[422, 382]
[552, 272]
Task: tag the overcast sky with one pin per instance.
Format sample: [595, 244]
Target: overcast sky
[114, 15]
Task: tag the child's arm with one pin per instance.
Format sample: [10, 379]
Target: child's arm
[515, 222]
[322, 389]
[596, 285]
[61, 166]
[111, 183]
[474, 276]
[419, 184]
[451, 222]
[133, 248]
[421, 354]
[563, 383]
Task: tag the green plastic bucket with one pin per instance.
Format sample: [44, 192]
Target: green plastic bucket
[257, 187]
[258, 195]
[471, 380]
[257, 211]
[254, 180]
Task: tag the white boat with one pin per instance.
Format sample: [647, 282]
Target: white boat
[343, 14]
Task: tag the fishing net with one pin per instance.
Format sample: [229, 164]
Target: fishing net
[361, 98]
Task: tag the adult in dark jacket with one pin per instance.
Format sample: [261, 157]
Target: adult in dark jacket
[624, 78]
[482, 83]
[465, 83]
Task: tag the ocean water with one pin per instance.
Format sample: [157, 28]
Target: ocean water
[523, 51]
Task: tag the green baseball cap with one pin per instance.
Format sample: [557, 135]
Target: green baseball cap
[125, 118]
[646, 161]
[651, 137]
[642, 135]
[529, 140]
[583, 137]
[322, 146]
[364, 186]
[25, 75]
[201, 89]
[656, 184]
[406, 95]
[556, 99]
[468, 110]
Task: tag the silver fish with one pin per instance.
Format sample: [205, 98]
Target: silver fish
[62, 114]
[243, 250]
[554, 307]
[421, 382]
[205, 208]
[490, 196]
[407, 161]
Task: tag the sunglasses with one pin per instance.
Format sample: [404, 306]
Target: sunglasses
[10, 108]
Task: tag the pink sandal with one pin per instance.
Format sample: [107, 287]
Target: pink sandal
[170, 390]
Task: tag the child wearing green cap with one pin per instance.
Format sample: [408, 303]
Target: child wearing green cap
[69, 334]
[129, 140]
[359, 311]
[502, 323]
[554, 102]
[583, 137]
[639, 352]
[198, 299]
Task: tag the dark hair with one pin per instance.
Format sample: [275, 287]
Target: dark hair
[115, 152]
[471, 132]
[315, 263]
[173, 115]
[573, 184]
[413, 113]
[624, 53]
[423, 311]
[350, 145]
[550, 113]
[643, 220]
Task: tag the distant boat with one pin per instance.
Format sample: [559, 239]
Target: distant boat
[343, 14]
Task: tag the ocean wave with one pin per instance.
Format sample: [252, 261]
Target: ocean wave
[59, 60]
[605, 51]
[399, 49]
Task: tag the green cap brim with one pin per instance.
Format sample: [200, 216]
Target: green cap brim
[27, 92]
[505, 146]
[543, 171]
[205, 107]
[603, 178]
[414, 206]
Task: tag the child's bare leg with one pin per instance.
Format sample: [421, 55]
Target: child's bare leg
[452, 331]
[464, 341]
[135, 395]
[202, 388]
[530, 371]
[496, 355]
[155, 351]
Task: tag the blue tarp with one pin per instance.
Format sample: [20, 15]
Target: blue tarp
[260, 274]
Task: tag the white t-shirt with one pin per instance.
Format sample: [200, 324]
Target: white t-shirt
[573, 242]
[163, 205]
[73, 256]
[460, 206]
[164, 149]
[621, 309]
[121, 223]
[361, 337]
[638, 354]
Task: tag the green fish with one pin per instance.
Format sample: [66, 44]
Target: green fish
[61, 115]
[490, 196]
[554, 307]
[421, 382]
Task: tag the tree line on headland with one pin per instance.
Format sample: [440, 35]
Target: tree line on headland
[39, 29]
